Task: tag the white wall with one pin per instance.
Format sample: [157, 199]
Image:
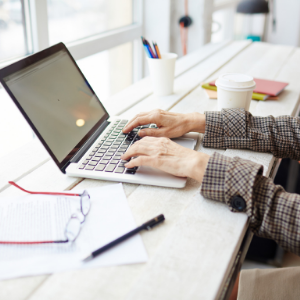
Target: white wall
[199, 31]
[223, 25]
[161, 23]
[156, 26]
[157, 22]
[287, 13]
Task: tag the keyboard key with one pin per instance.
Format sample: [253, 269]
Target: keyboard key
[114, 146]
[89, 168]
[106, 158]
[101, 150]
[119, 170]
[85, 162]
[110, 140]
[146, 126]
[104, 162]
[96, 159]
[100, 167]
[93, 163]
[115, 161]
[111, 152]
[126, 143]
[117, 157]
[131, 170]
[98, 155]
[82, 166]
[104, 147]
[107, 143]
[110, 168]
[120, 152]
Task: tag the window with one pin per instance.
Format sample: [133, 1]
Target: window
[110, 71]
[13, 31]
[100, 34]
[73, 20]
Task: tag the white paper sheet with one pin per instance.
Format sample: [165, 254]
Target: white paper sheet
[109, 218]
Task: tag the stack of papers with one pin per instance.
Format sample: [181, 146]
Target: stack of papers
[43, 217]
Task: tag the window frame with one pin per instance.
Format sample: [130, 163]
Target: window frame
[37, 35]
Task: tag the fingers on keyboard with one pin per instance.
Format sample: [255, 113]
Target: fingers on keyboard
[106, 155]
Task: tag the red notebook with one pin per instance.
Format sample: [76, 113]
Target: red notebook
[268, 87]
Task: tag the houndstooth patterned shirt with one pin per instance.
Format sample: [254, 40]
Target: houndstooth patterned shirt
[273, 213]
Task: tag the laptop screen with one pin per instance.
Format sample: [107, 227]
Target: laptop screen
[58, 101]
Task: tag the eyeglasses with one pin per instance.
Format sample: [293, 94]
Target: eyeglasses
[73, 225]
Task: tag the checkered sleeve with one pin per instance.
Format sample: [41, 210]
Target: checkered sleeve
[273, 213]
[238, 129]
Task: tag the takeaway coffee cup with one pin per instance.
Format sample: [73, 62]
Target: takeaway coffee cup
[235, 90]
[162, 72]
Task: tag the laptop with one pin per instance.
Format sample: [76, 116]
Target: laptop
[73, 125]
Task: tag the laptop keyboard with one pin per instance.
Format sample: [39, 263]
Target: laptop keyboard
[106, 155]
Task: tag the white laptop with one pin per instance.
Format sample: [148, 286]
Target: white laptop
[64, 112]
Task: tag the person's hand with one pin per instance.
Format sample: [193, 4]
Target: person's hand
[169, 124]
[166, 155]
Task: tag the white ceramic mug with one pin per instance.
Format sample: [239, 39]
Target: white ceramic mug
[162, 71]
[235, 90]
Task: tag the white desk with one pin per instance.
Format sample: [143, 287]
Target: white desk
[192, 254]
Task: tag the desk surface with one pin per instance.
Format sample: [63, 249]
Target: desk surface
[191, 255]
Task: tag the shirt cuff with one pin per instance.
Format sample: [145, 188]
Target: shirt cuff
[214, 130]
[231, 180]
[226, 128]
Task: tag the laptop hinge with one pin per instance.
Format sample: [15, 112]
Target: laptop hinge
[86, 146]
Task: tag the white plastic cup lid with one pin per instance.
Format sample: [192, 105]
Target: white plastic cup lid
[235, 82]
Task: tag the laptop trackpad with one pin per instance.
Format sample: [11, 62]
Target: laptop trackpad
[186, 142]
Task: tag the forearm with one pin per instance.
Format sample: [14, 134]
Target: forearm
[237, 129]
[195, 122]
[276, 214]
[273, 213]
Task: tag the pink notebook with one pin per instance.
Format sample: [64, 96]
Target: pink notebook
[268, 87]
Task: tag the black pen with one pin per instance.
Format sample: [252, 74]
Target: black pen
[148, 225]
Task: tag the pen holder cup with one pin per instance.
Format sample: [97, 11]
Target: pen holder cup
[162, 73]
